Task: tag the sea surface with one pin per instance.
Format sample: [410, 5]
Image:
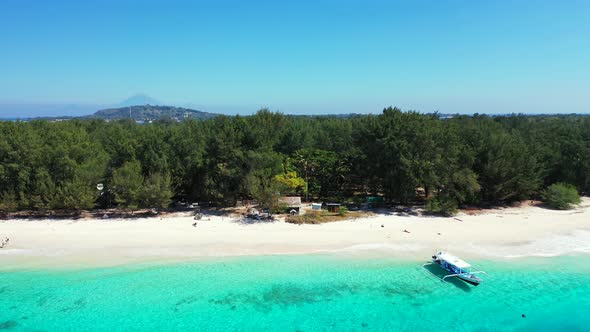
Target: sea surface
[298, 293]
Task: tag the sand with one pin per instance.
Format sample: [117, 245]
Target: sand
[504, 233]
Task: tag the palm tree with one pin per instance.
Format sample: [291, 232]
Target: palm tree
[302, 158]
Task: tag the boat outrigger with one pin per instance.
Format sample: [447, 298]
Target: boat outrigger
[458, 268]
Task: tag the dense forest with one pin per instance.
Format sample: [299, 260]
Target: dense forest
[404, 156]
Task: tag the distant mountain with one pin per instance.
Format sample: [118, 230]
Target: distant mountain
[146, 113]
[138, 99]
[26, 110]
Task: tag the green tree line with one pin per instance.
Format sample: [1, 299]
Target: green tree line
[404, 156]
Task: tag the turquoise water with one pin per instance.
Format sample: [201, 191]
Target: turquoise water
[298, 293]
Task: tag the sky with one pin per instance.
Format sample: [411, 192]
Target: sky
[296, 56]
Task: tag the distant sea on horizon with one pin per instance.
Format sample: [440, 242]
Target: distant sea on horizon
[298, 293]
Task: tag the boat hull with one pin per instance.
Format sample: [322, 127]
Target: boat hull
[470, 280]
[474, 282]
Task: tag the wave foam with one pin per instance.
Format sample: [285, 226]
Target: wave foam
[552, 246]
[379, 246]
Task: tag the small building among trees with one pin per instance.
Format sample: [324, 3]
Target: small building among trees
[291, 203]
[375, 202]
[333, 207]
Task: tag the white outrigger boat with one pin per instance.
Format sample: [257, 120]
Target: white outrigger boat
[458, 268]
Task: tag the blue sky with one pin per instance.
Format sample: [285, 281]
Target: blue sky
[299, 56]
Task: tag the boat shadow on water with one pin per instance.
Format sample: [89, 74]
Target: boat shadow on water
[439, 272]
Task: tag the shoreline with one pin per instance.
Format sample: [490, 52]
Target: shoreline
[497, 234]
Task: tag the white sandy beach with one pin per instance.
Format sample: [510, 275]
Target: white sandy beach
[497, 233]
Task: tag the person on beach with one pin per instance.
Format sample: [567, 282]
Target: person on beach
[4, 242]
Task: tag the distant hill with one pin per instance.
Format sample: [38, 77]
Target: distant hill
[146, 113]
[138, 99]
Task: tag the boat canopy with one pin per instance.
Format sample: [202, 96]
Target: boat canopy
[453, 260]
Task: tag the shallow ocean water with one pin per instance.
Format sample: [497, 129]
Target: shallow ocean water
[298, 293]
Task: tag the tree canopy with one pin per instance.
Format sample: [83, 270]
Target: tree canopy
[404, 156]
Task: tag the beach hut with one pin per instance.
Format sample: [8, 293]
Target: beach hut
[292, 203]
[374, 201]
[333, 207]
[316, 206]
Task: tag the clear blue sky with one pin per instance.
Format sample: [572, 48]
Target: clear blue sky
[301, 56]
